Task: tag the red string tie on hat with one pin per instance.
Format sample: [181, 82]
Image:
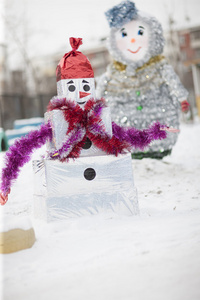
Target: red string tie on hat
[75, 43]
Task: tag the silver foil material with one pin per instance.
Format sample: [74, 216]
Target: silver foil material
[62, 190]
[60, 126]
[138, 101]
[121, 14]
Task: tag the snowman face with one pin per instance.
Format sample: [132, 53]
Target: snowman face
[133, 40]
[79, 90]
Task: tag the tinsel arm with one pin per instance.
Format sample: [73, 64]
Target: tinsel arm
[70, 147]
[19, 154]
[174, 85]
[139, 138]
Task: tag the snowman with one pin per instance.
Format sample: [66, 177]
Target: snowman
[87, 167]
[139, 85]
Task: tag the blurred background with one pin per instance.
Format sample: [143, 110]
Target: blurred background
[34, 35]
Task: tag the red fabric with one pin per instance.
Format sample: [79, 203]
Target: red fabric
[74, 64]
[185, 106]
[75, 43]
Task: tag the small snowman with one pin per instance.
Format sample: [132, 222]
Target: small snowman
[87, 167]
[139, 85]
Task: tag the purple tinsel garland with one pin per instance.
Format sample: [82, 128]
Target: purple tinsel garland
[139, 138]
[68, 145]
[20, 153]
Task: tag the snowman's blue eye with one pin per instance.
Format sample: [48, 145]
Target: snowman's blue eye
[124, 34]
[140, 32]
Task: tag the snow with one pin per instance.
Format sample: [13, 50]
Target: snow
[154, 256]
[9, 222]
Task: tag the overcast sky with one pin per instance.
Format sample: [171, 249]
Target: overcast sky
[48, 24]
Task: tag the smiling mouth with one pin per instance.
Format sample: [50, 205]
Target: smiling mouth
[81, 102]
[134, 51]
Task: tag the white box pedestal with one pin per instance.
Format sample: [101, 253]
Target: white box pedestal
[86, 186]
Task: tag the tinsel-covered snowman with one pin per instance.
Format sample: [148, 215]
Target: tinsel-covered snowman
[78, 127]
[139, 85]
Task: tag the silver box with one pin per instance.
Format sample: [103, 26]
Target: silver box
[86, 186]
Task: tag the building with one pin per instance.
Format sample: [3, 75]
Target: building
[189, 41]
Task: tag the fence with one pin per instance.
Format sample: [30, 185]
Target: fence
[15, 106]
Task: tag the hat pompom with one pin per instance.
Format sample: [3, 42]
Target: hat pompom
[121, 14]
[75, 43]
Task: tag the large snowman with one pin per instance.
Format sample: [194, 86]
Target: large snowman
[139, 84]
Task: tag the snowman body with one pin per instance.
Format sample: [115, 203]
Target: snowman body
[139, 85]
[89, 186]
[60, 127]
[93, 183]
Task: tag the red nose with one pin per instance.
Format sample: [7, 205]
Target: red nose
[83, 94]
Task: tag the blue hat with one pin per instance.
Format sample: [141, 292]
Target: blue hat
[121, 14]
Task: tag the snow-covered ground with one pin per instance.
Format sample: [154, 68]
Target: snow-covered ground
[154, 256]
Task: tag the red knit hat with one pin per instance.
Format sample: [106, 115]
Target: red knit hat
[74, 64]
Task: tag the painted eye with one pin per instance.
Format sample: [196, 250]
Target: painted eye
[71, 88]
[124, 34]
[140, 32]
[86, 87]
